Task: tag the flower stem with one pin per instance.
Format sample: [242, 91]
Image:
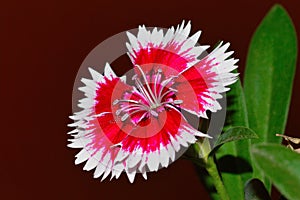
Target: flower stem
[214, 173]
[203, 149]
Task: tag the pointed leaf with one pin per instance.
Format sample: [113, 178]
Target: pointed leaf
[234, 134]
[269, 76]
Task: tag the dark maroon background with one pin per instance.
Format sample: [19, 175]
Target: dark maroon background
[42, 46]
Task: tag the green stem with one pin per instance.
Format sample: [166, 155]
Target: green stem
[214, 173]
[203, 149]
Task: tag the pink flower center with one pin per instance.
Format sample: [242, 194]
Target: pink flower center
[151, 95]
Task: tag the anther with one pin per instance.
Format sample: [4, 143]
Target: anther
[118, 112]
[177, 101]
[115, 102]
[134, 77]
[124, 117]
[154, 113]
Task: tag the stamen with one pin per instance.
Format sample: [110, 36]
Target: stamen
[143, 91]
[126, 115]
[176, 102]
[142, 117]
[170, 105]
[155, 82]
[130, 107]
[167, 92]
[134, 107]
[126, 101]
[147, 84]
[164, 84]
[150, 99]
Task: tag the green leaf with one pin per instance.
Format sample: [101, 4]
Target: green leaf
[234, 134]
[281, 165]
[255, 190]
[269, 75]
[231, 165]
[237, 152]
[237, 114]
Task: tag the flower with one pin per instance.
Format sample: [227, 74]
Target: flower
[140, 127]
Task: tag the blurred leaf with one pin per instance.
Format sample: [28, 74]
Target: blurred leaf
[255, 190]
[281, 165]
[269, 77]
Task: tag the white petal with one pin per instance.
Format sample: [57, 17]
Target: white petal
[186, 31]
[121, 156]
[190, 43]
[144, 175]
[129, 47]
[133, 40]
[73, 131]
[82, 156]
[76, 143]
[89, 92]
[90, 83]
[133, 159]
[228, 65]
[123, 78]
[99, 170]
[107, 172]
[156, 36]
[143, 35]
[153, 161]
[107, 163]
[171, 152]
[181, 141]
[169, 36]
[108, 72]
[197, 51]
[182, 32]
[86, 103]
[95, 75]
[174, 143]
[131, 175]
[142, 164]
[164, 157]
[118, 168]
[80, 115]
[212, 104]
[189, 137]
[106, 159]
[90, 164]
[200, 134]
